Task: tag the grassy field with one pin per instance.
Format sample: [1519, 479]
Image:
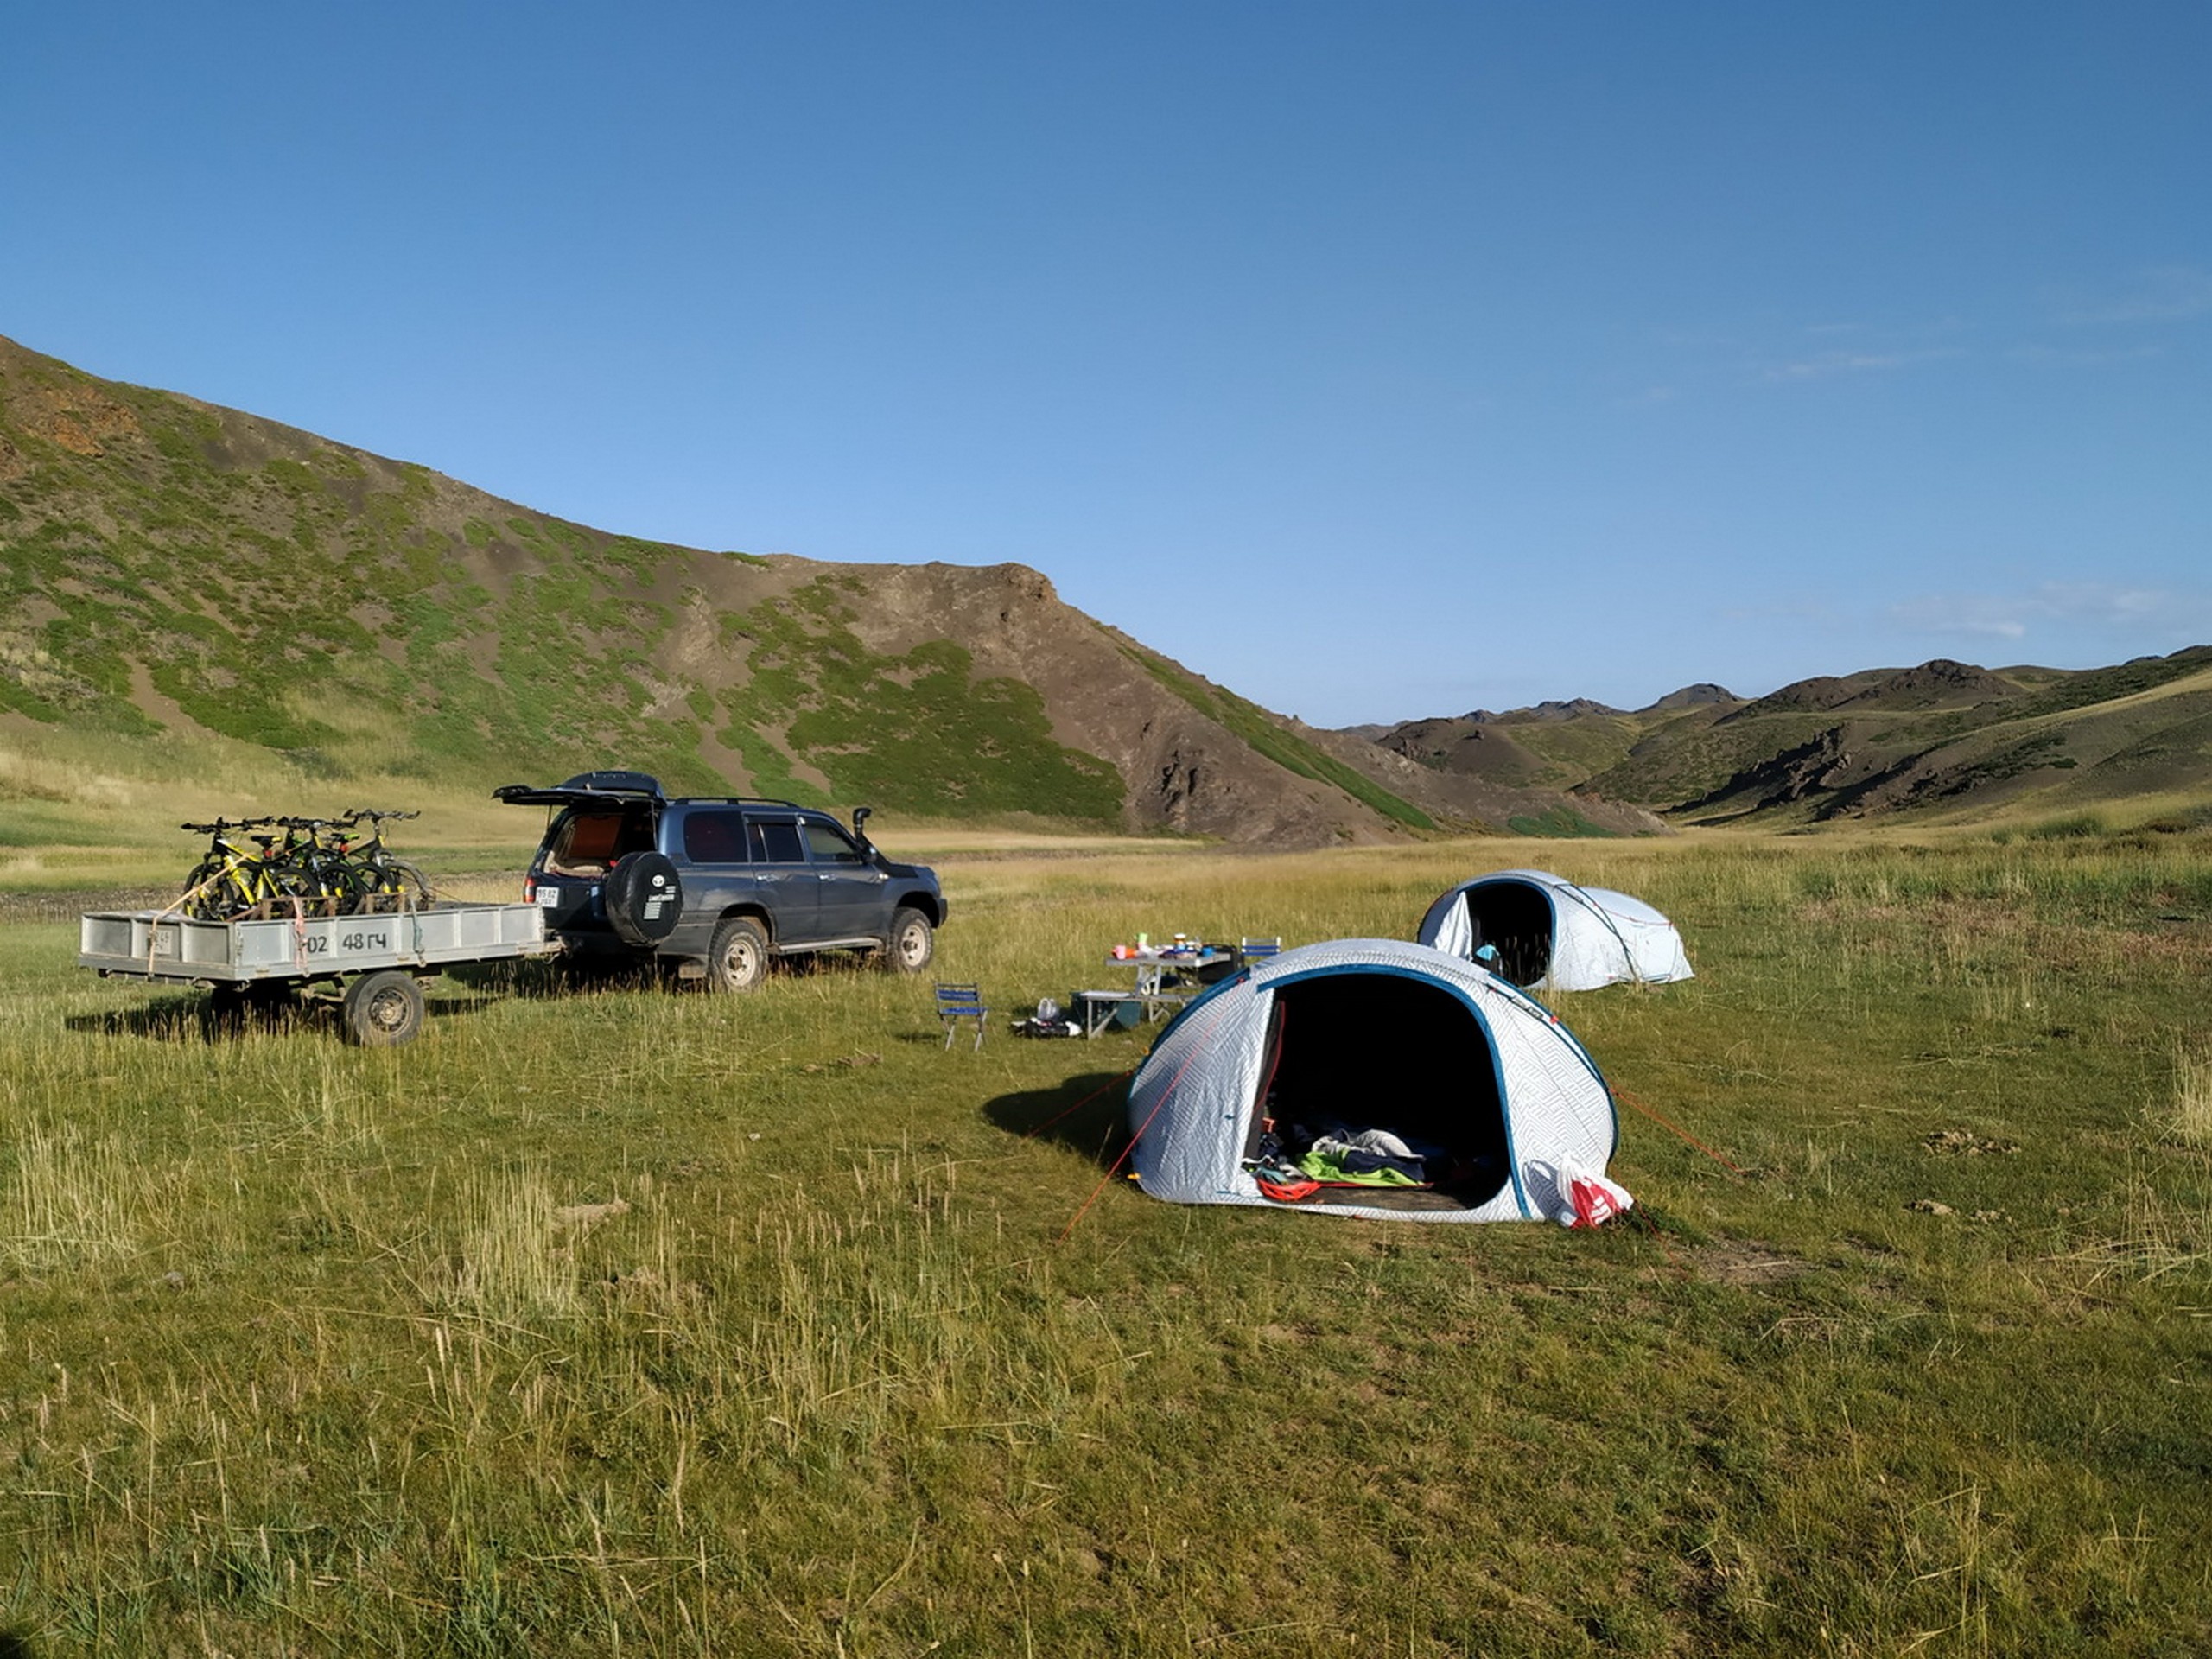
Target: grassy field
[94, 811]
[628, 1321]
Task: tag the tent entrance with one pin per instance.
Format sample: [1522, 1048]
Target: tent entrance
[1385, 1051]
[1515, 917]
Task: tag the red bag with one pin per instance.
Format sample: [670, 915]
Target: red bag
[1594, 1205]
[1590, 1200]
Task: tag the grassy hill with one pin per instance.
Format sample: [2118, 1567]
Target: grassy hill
[193, 597]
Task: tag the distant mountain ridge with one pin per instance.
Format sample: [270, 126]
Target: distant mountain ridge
[1943, 738]
[170, 570]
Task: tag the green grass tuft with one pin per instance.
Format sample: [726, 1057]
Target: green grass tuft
[2076, 826]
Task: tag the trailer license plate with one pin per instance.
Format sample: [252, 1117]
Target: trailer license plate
[548, 898]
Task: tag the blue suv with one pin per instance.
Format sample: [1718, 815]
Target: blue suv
[717, 885]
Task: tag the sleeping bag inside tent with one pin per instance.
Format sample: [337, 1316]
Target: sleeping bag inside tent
[1368, 1077]
[1548, 932]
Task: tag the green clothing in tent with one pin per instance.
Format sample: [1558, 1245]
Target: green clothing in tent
[1329, 1166]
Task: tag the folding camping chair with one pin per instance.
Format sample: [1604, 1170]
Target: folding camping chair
[958, 1002]
[1252, 949]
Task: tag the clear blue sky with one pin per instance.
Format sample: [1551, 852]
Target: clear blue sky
[1376, 359]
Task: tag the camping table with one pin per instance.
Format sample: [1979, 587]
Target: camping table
[1163, 976]
[1170, 975]
[1098, 1011]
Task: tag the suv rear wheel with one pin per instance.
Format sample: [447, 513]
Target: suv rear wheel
[913, 941]
[738, 959]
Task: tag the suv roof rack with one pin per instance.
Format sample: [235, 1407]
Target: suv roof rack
[740, 800]
[630, 787]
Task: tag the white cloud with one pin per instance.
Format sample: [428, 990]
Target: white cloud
[2164, 294]
[2091, 358]
[2055, 607]
[1823, 365]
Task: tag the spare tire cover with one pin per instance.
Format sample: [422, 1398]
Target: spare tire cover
[645, 898]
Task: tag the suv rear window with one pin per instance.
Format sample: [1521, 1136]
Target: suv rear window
[589, 841]
[715, 837]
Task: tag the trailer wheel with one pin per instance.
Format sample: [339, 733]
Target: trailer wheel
[383, 1010]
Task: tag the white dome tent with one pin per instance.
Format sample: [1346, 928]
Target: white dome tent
[1372, 1035]
[1551, 934]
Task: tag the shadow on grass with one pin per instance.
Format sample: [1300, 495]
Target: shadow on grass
[166, 1019]
[536, 977]
[1086, 1114]
[935, 1038]
[201, 1018]
[553, 977]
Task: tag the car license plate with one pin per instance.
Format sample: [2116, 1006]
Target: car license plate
[549, 897]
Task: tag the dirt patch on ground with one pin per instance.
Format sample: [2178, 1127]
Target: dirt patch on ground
[1735, 1261]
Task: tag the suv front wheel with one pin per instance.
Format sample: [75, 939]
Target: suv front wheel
[738, 959]
[913, 941]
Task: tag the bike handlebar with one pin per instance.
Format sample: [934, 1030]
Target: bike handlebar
[375, 814]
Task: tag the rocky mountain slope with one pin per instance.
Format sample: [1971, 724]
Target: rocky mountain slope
[170, 568]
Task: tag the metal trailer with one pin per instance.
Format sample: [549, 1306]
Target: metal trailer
[381, 960]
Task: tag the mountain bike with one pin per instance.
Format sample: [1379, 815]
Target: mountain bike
[233, 881]
[388, 882]
[315, 866]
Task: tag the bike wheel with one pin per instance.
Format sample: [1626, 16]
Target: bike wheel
[233, 897]
[403, 886]
[202, 897]
[342, 891]
[356, 891]
[293, 891]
